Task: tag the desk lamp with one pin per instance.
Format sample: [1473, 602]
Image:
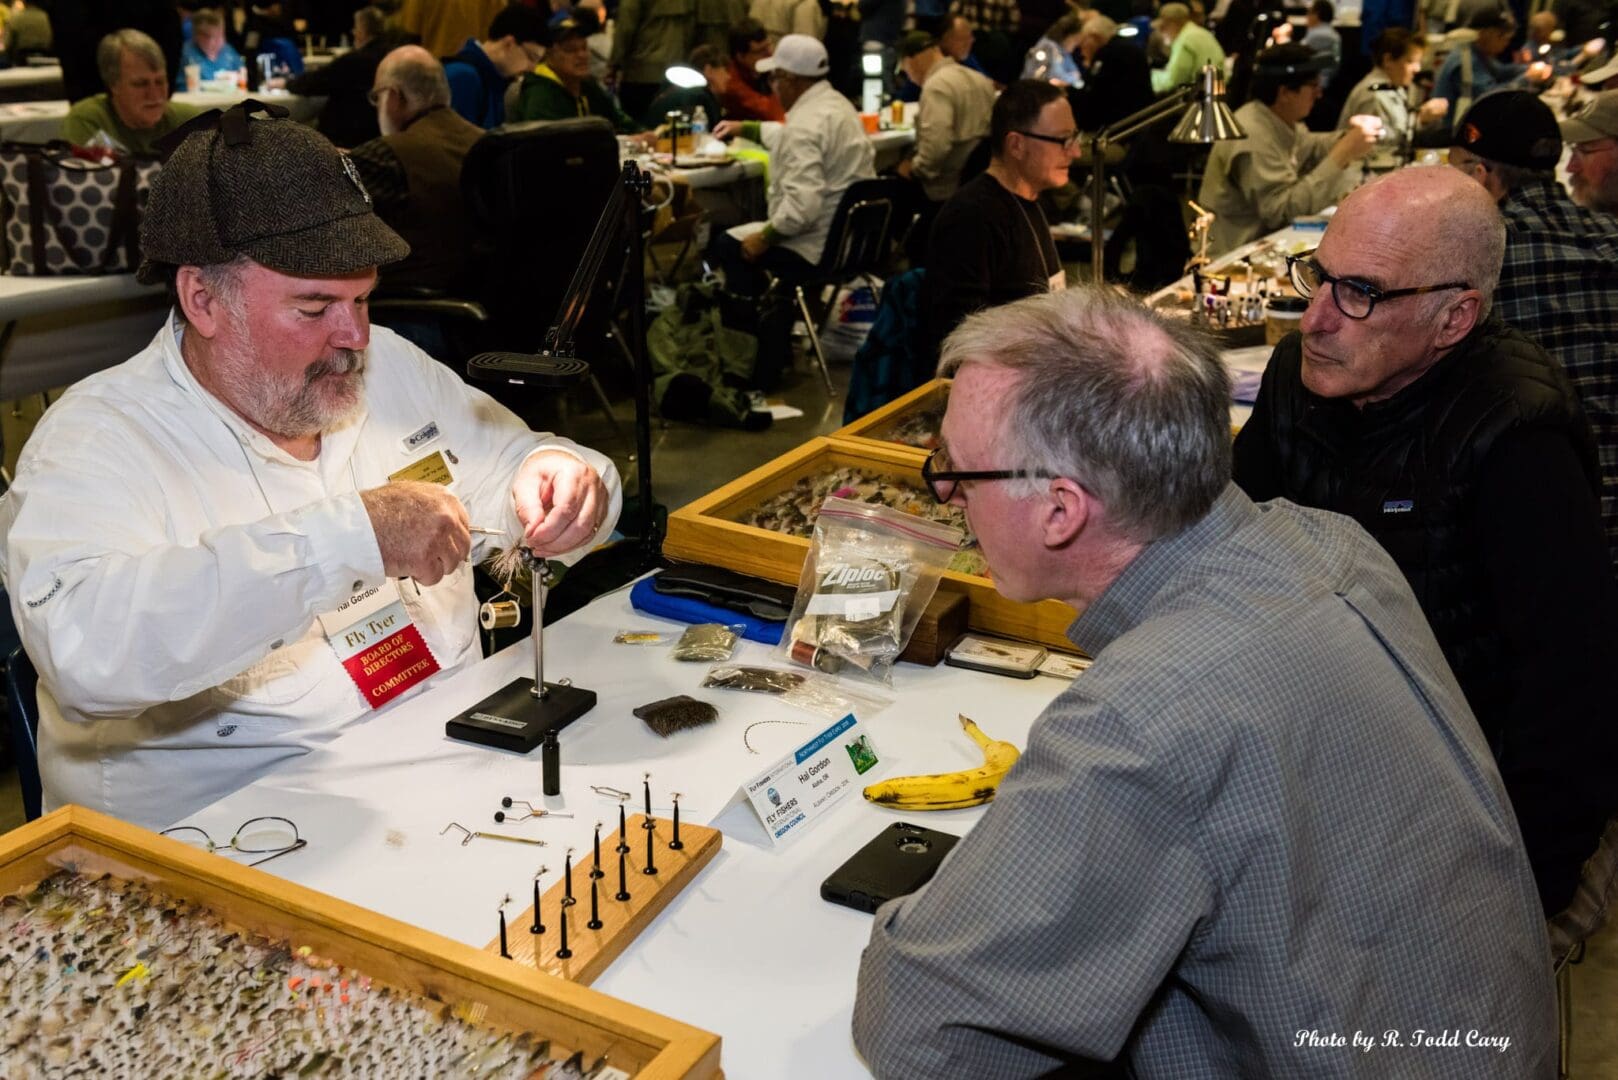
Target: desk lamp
[1206, 119]
[686, 78]
[871, 86]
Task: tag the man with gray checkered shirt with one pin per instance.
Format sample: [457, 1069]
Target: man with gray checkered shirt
[1262, 835]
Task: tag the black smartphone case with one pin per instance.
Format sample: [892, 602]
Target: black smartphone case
[898, 861]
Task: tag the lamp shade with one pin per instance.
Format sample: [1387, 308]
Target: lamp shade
[687, 78]
[1208, 119]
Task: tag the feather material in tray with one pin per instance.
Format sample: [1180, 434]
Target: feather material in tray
[105, 977]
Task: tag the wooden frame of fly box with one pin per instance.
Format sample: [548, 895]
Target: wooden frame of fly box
[708, 530]
[878, 425]
[423, 964]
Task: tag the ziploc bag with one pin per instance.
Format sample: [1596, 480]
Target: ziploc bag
[870, 573]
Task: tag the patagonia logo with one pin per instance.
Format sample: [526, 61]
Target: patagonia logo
[421, 437]
[1398, 506]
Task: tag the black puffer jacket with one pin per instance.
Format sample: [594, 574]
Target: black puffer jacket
[1405, 469]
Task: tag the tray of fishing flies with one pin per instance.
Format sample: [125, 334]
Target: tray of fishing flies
[912, 420]
[761, 524]
[125, 953]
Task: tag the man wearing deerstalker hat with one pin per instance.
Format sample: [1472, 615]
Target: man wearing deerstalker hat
[204, 543]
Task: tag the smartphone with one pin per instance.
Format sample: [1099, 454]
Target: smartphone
[898, 861]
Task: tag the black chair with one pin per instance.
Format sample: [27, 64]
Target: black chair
[22, 707]
[533, 192]
[870, 219]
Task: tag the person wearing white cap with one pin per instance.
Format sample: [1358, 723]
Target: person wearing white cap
[1592, 137]
[815, 156]
[1604, 77]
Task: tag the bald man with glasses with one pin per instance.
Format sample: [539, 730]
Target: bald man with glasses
[1408, 405]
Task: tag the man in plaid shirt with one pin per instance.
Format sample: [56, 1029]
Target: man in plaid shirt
[1559, 280]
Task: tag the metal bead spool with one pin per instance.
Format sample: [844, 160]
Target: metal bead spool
[499, 614]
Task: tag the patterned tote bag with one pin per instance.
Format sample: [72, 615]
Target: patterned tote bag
[63, 214]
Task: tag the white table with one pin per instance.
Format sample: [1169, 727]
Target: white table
[30, 77]
[889, 146]
[70, 327]
[41, 121]
[749, 951]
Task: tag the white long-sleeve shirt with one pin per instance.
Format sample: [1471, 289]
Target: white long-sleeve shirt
[167, 563]
[814, 157]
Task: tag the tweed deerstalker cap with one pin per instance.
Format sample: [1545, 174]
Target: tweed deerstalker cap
[250, 182]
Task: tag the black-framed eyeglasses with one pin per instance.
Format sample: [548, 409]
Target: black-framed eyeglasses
[943, 482]
[1355, 299]
[1066, 142]
[374, 96]
[269, 836]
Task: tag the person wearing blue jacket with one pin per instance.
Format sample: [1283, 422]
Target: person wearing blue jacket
[479, 73]
[208, 48]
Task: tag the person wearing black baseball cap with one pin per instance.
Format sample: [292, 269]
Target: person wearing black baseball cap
[204, 540]
[561, 88]
[1280, 171]
[1559, 278]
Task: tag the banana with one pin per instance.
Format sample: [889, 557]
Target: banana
[950, 791]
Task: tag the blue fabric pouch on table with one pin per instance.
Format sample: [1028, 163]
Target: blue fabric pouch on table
[643, 597]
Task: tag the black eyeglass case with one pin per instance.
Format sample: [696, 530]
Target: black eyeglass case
[715, 585]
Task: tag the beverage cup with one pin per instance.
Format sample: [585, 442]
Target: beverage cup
[1282, 315]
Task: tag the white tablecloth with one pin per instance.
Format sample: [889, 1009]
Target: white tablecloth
[749, 951]
[30, 76]
[889, 145]
[70, 327]
[40, 121]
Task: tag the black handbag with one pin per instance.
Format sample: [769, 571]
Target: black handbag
[64, 214]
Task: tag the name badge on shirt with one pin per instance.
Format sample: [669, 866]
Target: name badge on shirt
[432, 469]
[378, 644]
[1058, 281]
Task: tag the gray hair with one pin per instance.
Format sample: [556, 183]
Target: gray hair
[419, 77]
[1512, 177]
[1101, 26]
[223, 280]
[1174, 14]
[1133, 406]
[372, 20]
[110, 53]
[1475, 236]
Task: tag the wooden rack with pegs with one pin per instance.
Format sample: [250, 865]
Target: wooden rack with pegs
[622, 920]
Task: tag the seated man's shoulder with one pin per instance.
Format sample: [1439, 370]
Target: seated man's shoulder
[1512, 370]
[1266, 630]
[95, 105]
[106, 416]
[178, 112]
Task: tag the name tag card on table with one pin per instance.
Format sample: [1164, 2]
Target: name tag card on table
[805, 784]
